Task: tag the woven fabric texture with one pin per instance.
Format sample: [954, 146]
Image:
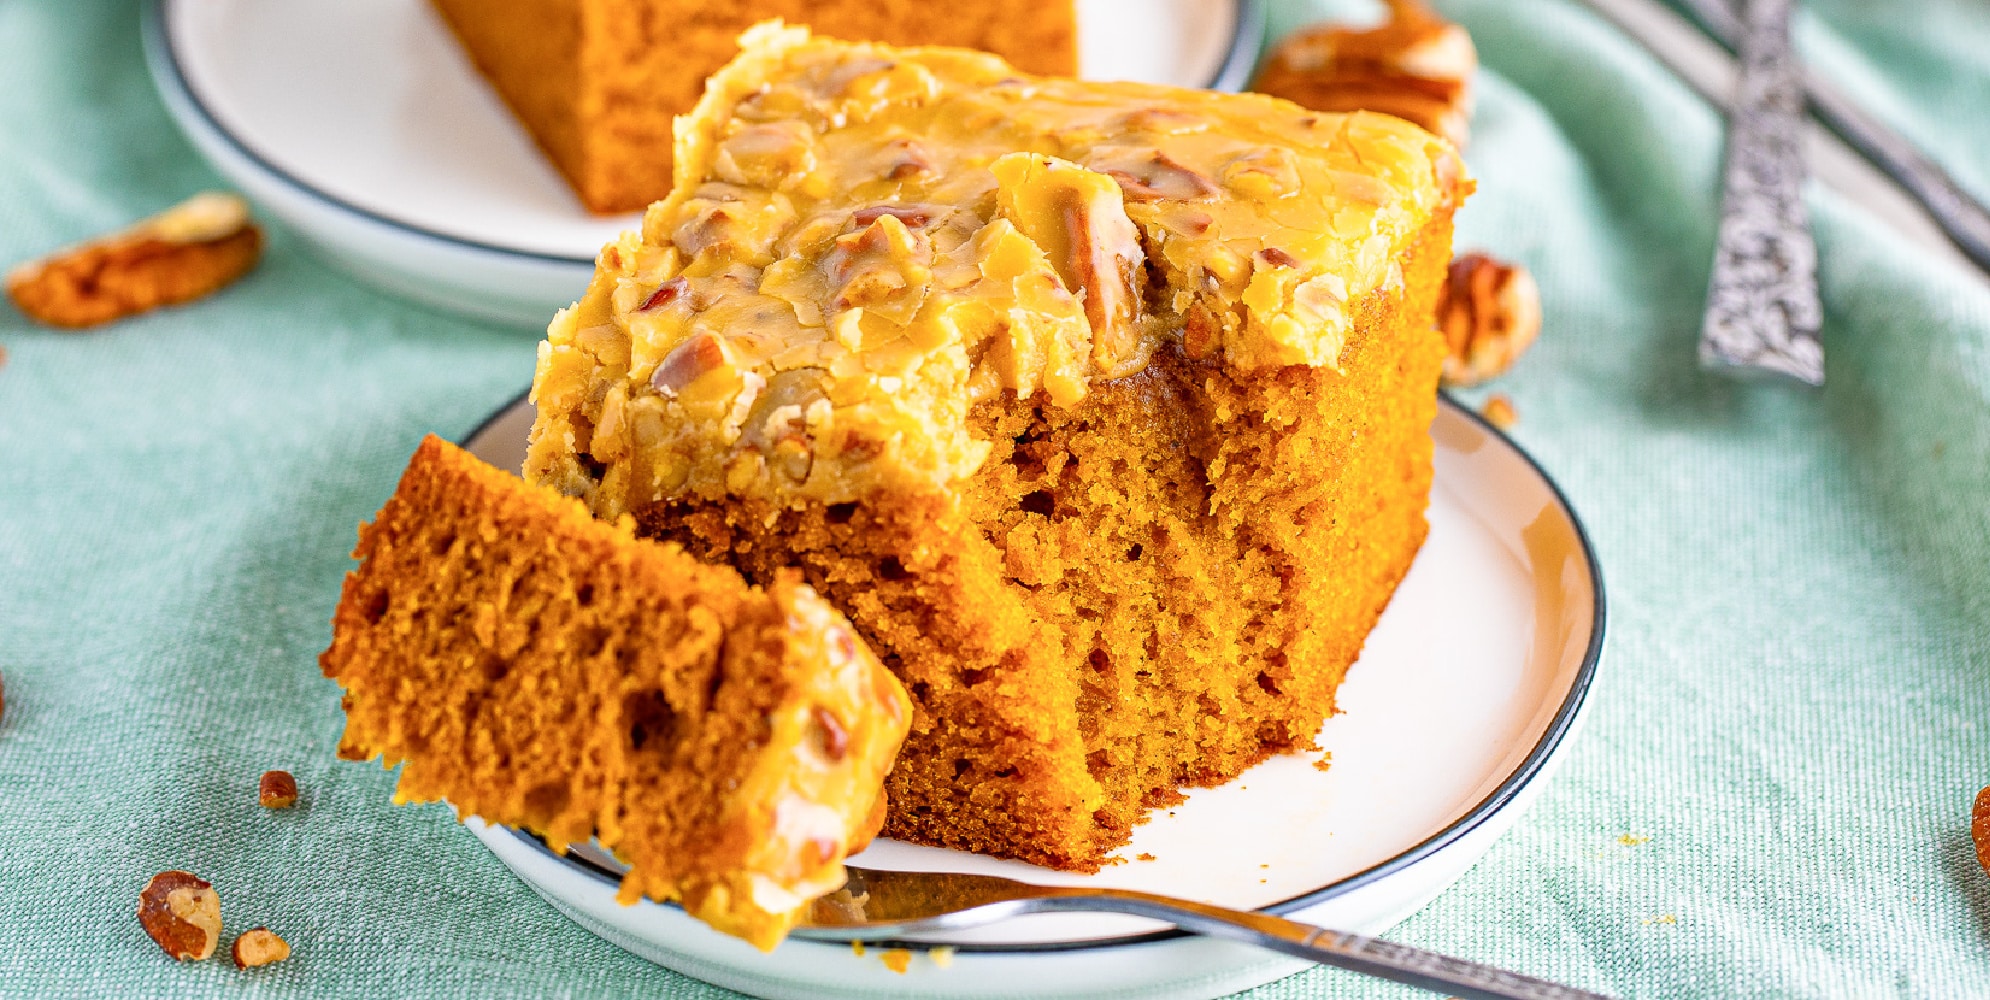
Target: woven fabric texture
[1770, 798]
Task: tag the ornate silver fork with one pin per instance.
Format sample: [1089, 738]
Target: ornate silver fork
[1762, 305]
[883, 904]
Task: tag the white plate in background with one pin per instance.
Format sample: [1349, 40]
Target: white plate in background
[363, 126]
[1457, 713]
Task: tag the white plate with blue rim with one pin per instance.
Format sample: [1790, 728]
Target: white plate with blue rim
[363, 127]
[1463, 704]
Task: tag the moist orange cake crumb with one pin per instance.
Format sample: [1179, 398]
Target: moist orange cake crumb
[1101, 410]
[597, 82]
[537, 667]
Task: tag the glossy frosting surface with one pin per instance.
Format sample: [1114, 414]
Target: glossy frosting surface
[863, 242]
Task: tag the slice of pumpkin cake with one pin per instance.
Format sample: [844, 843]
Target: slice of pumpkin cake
[1101, 410]
[540, 668]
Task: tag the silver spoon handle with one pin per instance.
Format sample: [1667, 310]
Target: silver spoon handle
[1354, 952]
[1762, 305]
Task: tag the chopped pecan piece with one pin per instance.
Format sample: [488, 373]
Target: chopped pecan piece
[1489, 313]
[887, 263]
[1105, 258]
[1079, 219]
[1499, 412]
[1415, 65]
[181, 254]
[1202, 332]
[256, 948]
[1156, 176]
[1263, 174]
[826, 735]
[793, 457]
[734, 224]
[1274, 257]
[664, 295]
[905, 159]
[277, 790]
[182, 913]
[768, 155]
[1165, 121]
[914, 217]
[698, 354]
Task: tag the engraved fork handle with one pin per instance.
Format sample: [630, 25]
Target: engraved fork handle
[1962, 218]
[1354, 952]
[1762, 306]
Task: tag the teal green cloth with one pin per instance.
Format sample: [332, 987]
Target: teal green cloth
[1770, 798]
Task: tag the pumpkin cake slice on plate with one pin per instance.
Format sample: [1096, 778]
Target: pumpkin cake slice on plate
[1101, 410]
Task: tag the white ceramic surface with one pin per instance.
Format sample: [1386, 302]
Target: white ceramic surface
[1460, 708]
[362, 125]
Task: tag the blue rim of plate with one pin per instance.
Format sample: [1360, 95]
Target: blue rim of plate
[169, 75]
[1498, 799]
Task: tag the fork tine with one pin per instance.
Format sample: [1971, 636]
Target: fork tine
[874, 896]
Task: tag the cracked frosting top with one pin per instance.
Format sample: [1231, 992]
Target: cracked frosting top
[864, 241]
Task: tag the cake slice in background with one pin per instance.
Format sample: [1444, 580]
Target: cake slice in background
[596, 82]
[539, 668]
[1102, 410]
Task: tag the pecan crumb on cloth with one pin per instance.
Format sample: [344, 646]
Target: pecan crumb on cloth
[1489, 313]
[192, 249]
[182, 913]
[277, 790]
[258, 947]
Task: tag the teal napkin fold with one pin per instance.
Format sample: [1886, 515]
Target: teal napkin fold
[1770, 797]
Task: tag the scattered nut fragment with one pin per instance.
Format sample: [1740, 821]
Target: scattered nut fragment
[259, 947]
[1499, 412]
[182, 913]
[183, 253]
[277, 790]
[1489, 313]
[1415, 65]
[1979, 829]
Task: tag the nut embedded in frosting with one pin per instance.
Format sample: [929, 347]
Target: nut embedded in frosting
[1078, 218]
[924, 229]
